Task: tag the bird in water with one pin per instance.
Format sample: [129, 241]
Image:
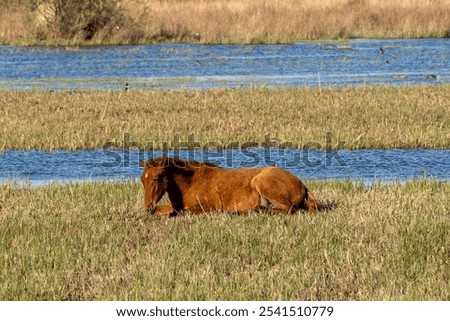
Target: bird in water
[381, 50]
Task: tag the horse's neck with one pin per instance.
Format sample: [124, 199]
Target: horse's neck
[179, 184]
[182, 180]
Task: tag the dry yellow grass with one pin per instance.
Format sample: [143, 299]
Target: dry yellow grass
[372, 117]
[249, 21]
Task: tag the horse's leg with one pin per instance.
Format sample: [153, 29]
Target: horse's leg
[165, 210]
[274, 192]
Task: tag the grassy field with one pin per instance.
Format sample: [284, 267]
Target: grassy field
[219, 21]
[94, 241]
[366, 117]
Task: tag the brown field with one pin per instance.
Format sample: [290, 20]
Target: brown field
[232, 21]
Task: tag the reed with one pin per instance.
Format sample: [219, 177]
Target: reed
[234, 21]
[286, 21]
[350, 118]
[94, 241]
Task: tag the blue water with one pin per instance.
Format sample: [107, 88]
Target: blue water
[181, 66]
[368, 166]
[175, 66]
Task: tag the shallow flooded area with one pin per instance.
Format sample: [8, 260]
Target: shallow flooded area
[186, 66]
[368, 166]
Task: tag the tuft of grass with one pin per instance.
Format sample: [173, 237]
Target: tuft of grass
[350, 118]
[94, 241]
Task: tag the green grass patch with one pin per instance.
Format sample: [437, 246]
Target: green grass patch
[351, 118]
[94, 241]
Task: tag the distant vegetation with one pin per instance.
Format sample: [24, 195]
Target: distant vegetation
[72, 22]
[66, 22]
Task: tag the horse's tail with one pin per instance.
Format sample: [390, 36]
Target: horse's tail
[312, 204]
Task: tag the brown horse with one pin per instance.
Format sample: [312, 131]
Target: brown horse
[201, 187]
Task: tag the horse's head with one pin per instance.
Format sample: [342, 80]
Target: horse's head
[155, 181]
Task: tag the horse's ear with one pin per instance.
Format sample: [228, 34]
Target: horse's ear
[164, 160]
[141, 163]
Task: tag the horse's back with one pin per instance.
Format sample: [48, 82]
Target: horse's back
[246, 179]
[233, 188]
[244, 190]
[278, 174]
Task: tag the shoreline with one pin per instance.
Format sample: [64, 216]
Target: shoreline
[70, 44]
[73, 46]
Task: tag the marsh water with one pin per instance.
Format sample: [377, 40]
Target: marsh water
[368, 166]
[190, 66]
[178, 66]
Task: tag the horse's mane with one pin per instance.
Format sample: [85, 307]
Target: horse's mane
[177, 163]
